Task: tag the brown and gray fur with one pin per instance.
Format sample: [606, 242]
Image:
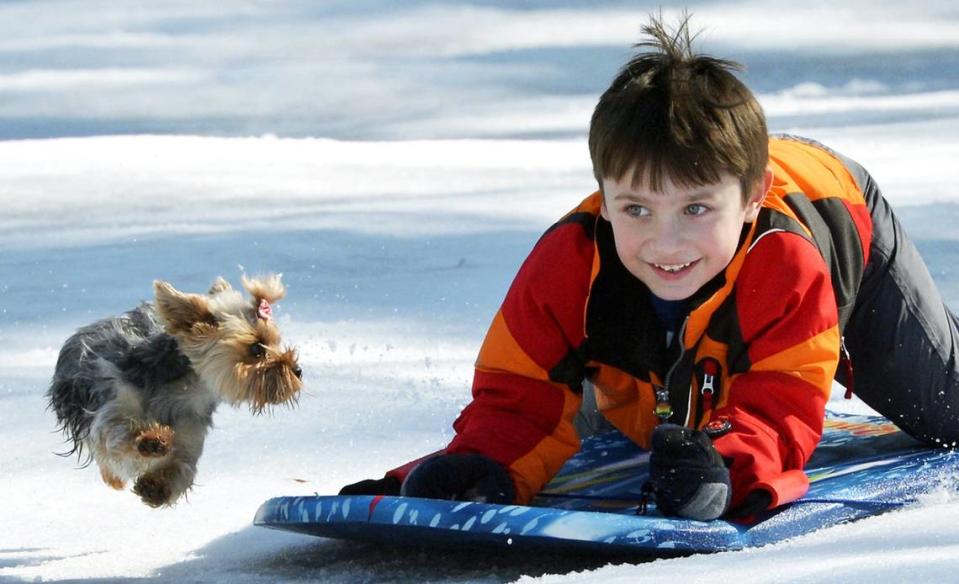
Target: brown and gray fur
[138, 391]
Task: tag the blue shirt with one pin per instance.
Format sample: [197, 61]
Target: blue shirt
[671, 313]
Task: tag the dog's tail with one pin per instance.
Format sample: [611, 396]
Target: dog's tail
[71, 400]
[72, 396]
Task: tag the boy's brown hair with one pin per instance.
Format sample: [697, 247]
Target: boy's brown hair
[671, 112]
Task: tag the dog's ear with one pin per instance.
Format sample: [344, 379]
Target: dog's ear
[181, 311]
[220, 285]
[269, 288]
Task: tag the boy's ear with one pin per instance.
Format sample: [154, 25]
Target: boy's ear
[180, 311]
[603, 212]
[755, 201]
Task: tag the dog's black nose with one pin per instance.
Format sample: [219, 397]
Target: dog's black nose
[298, 372]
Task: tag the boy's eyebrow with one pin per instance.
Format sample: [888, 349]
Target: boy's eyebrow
[630, 197]
[702, 195]
[699, 195]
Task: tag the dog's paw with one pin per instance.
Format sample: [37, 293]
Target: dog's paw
[111, 479]
[153, 490]
[155, 441]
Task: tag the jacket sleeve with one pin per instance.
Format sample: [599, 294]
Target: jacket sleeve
[788, 319]
[525, 393]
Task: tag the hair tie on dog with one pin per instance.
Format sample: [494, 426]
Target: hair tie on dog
[264, 311]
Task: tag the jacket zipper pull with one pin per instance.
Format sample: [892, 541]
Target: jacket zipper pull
[709, 374]
[664, 410]
[844, 358]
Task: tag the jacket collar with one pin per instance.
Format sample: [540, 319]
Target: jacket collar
[620, 325]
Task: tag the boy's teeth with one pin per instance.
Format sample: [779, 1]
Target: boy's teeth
[672, 267]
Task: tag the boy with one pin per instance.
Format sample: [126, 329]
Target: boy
[709, 292]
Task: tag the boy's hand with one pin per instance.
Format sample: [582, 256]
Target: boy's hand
[755, 502]
[461, 477]
[688, 476]
[384, 486]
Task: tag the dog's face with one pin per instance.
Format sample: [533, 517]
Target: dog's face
[232, 341]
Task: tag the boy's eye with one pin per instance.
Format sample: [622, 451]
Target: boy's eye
[696, 209]
[637, 211]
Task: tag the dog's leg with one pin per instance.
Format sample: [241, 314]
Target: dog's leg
[165, 484]
[123, 444]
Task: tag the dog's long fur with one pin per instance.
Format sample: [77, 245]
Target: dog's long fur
[138, 391]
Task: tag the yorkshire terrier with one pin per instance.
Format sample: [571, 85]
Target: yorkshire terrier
[138, 391]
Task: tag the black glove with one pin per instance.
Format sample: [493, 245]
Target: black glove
[461, 477]
[385, 486]
[755, 502]
[688, 476]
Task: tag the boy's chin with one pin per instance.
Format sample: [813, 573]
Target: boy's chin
[672, 295]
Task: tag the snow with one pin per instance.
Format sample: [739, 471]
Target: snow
[396, 174]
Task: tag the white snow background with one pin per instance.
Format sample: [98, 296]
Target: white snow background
[396, 162]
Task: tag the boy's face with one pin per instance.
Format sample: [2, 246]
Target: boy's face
[676, 240]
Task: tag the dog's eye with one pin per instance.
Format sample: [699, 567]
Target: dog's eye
[257, 350]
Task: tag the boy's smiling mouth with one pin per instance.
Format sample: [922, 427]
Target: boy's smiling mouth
[673, 269]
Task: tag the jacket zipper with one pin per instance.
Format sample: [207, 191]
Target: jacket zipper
[664, 409]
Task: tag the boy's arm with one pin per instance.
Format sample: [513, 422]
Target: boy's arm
[788, 319]
[526, 380]
[526, 386]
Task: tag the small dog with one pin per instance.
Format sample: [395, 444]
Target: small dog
[139, 390]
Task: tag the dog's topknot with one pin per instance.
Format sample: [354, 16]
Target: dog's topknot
[269, 287]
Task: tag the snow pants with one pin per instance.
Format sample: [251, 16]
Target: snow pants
[901, 338]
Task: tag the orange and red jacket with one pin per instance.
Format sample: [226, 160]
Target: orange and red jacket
[767, 329]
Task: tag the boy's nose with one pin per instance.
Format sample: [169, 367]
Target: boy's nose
[666, 238]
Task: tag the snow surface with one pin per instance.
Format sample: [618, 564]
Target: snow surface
[396, 174]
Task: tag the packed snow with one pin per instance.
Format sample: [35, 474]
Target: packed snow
[396, 164]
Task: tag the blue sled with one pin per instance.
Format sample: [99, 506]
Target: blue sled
[863, 466]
